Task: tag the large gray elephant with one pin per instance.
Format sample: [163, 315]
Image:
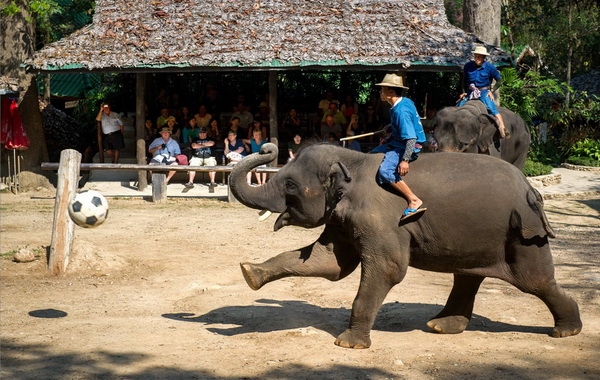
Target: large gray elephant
[471, 129]
[483, 220]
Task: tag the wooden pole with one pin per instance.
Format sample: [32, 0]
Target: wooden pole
[274, 133]
[62, 228]
[140, 129]
[159, 187]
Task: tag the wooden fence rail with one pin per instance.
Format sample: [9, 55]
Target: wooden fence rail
[159, 186]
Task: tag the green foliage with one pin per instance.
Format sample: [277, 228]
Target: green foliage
[587, 148]
[530, 95]
[535, 97]
[583, 161]
[558, 31]
[9, 9]
[548, 152]
[534, 169]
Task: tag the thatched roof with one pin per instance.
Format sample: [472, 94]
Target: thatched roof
[151, 35]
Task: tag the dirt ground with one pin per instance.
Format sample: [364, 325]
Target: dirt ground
[157, 293]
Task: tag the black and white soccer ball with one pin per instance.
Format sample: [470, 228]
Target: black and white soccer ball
[88, 209]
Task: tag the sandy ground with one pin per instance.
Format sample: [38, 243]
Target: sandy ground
[157, 293]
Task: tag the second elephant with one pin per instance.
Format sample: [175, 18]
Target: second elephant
[470, 129]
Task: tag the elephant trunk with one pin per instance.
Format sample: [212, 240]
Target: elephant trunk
[266, 197]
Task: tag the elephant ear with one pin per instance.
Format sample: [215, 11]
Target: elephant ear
[339, 183]
[487, 131]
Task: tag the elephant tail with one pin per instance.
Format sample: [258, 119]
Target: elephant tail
[523, 225]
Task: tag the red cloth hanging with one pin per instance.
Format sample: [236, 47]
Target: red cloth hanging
[5, 119]
[16, 137]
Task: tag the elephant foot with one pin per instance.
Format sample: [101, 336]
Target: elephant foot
[350, 339]
[252, 275]
[454, 324]
[567, 329]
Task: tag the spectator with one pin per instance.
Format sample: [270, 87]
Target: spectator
[353, 144]
[234, 125]
[329, 127]
[162, 119]
[202, 155]
[349, 107]
[235, 149]
[256, 124]
[110, 132]
[255, 144]
[174, 128]
[242, 113]
[263, 116]
[213, 129]
[371, 119]
[202, 117]
[354, 126]
[185, 115]
[291, 122]
[324, 103]
[164, 151]
[294, 146]
[338, 116]
[190, 132]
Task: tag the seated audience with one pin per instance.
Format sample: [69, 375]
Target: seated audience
[202, 155]
[190, 132]
[202, 117]
[235, 149]
[330, 126]
[255, 144]
[164, 151]
[294, 146]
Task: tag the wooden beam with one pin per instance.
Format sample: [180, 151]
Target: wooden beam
[140, 129]
[62, 228]
[157, 168]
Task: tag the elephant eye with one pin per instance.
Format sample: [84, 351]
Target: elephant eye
[291, 187]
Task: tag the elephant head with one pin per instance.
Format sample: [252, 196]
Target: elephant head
[468, 129]
[306, 191]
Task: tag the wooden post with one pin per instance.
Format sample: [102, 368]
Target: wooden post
[159, 186]
[62, 229]
[140, 129]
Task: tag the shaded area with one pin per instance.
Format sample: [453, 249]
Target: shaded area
[41, 362]
[393, 317]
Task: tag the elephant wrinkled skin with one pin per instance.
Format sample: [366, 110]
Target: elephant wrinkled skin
[470, 129]
[483, 220]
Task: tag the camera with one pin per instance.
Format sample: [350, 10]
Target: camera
[163, 146]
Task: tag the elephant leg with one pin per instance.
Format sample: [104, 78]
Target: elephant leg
[533, 273]
[455, 316]
[329, 257]
[376, 281]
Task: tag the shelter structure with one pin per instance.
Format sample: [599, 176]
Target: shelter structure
[143, 36]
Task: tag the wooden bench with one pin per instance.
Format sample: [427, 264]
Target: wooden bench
[159, 186]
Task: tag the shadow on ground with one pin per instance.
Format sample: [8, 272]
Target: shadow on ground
[286, 315]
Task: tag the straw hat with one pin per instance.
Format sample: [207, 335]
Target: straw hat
[480, 50]
[392, 80]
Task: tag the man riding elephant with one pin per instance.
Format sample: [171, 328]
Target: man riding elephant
[478, 75]
[404, 143]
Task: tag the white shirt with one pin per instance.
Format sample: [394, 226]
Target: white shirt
[111, 122]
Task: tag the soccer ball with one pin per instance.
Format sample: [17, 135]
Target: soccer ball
[88, 209]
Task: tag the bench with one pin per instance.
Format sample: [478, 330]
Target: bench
[159, 186]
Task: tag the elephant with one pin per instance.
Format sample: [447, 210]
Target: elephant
[471, 129]
[483, 220]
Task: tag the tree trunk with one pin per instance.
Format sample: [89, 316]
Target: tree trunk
[18, 43]
[482, 18]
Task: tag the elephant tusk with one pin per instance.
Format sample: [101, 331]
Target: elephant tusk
[264, 215]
